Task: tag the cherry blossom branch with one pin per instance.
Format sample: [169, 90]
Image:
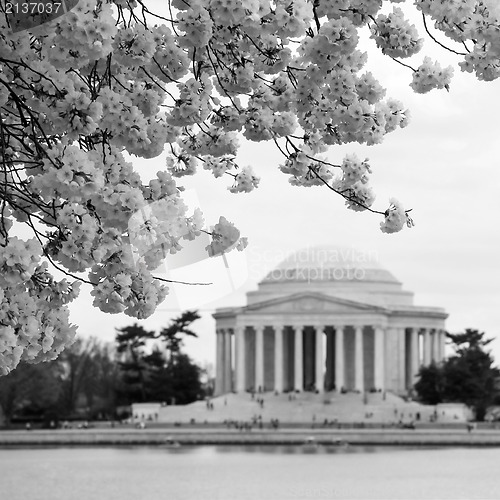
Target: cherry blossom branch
[180, 282]
[341, 193]
[403, 64]
[218, 78]
[47, 255]
[437, 41]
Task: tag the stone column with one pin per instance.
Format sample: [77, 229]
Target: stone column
[228, 365]
[414, 355]
[339, 358]
[391, 362]
[239, 340]
[298, 366]
[219, 363]
[379, 358]
[433, 342]
[442, 345]
[427, 347]
[259, 358]
[437, 344]
[319, 361]
[358, 357]
[438, 356]
[278, 358]
[401, 360]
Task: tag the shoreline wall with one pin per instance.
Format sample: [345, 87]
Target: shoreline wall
[176, 437]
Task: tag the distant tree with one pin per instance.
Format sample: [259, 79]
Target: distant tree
[156, 375]
[76, 362]
[89, 378]
[185, 379]
[429, 386]
[103, 386]
[131, 341]
[30, 390]
[171, 335]
[178, 382]
[162, 374]
[468, 376]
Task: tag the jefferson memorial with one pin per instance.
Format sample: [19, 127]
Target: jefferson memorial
[327, 318]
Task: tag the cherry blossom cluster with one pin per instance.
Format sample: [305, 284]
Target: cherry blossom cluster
[430, 75]
[225, 237]
[244, 181]
[82, 96]
[395, 36]
[395, 218]
[353, 183]
[124, 284]
[335, 38]
[34, 316]
[305, 170]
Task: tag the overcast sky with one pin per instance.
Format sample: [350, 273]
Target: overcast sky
[444, 166]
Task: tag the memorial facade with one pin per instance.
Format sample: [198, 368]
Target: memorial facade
[326, 318]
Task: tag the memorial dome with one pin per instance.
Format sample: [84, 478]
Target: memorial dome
[331, 264]
[342, 272]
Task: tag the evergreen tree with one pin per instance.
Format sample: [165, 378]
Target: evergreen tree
[171, 335]
[131, 341]
[178, 381]
[468, 376]
[429, 386]
[167, 375]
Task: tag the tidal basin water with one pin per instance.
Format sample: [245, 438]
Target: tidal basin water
[249, 472]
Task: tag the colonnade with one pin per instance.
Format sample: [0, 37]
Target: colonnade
[322, 357]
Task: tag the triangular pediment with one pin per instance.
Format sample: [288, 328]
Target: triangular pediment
[311, 302]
